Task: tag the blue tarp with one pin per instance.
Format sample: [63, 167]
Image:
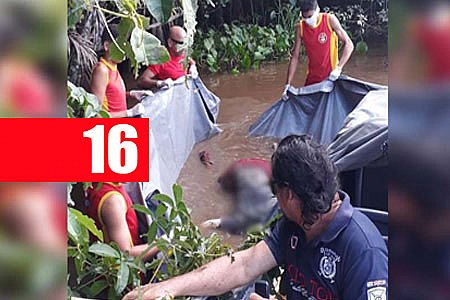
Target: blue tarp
[180, 117]
[318, 110]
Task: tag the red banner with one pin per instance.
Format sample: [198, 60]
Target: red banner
[74, 150]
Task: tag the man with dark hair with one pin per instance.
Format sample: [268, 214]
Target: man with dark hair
[107, 83]
[319, 32]
[329, 250]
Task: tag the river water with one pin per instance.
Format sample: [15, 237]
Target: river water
[244, 97]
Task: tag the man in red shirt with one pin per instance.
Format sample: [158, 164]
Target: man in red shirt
[163, 75]
[319, 32]
[111, 208]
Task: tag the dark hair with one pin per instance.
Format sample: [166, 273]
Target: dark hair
[106, 37]
[303, 165]
[307, 5]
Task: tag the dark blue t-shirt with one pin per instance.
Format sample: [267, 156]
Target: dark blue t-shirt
[348, 261]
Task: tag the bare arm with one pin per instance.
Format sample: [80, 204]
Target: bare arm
[294, 59]
[146, 80]
[214, 278]
[344, 38]
[99, 82]
[114, 217]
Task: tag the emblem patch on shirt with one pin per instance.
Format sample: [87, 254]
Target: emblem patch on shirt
[376, 293]
[322, 38]
[327, 264]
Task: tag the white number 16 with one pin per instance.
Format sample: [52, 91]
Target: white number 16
[115, 146]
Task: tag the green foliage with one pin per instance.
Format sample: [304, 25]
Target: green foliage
[160, 9]
[147, 48]
[81, 104]
[241, 47]
[87, 19]
[98, 267]
[366, 19]
[104, 269]
[28, 272]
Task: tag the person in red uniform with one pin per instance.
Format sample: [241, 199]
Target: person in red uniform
[319, 32]
[248, 183]
[422, 52]
[110, 207]
[163, 75]
[108, 85]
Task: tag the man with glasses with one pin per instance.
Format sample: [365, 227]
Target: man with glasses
[319, 32]
[163, 75]
[328, 249]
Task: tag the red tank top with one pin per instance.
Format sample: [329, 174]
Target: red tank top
[321, 45]
[434, 42]
[96, 199]
[115, 95]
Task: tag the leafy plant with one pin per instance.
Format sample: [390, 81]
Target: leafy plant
[81, 104]
[102, 269]
[87, 19]
[241, 47]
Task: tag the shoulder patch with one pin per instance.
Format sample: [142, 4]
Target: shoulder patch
[377, 293]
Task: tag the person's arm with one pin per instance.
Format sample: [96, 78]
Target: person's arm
[99, 83]
[367, 277]
[214, 278]
[147, 80]
[344, 38]
[293, 62]
[113, 214]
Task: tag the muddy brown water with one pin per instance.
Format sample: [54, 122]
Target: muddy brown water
[243, 98]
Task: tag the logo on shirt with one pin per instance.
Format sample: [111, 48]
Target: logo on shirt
[327, 264]
[376, 293]
[322, 38]
[376, 290]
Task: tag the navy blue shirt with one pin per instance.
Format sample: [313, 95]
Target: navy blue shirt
[348, 261]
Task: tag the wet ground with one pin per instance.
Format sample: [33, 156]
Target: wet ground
[244, 97]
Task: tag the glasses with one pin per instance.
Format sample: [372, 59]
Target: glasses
[177, 42]
[275, 185]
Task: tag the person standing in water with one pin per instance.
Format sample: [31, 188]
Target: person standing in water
[319, 33]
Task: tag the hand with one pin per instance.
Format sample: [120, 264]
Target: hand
[213, 223]
[166, 84]
[149, 292]
[285, 96]
[141, 94]
[136, 110]
[334, 75]
[193, 71]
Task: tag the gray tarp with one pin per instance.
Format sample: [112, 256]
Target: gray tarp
[318, 110]
[180, 117]
[363, 138]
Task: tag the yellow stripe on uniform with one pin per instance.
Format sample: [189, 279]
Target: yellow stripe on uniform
[100, 205]
[102, 200]
[334, 45]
